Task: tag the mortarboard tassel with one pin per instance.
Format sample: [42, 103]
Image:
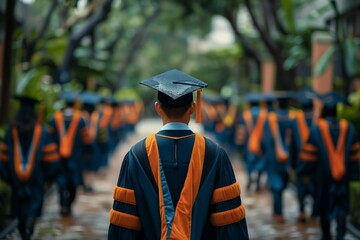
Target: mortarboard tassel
[198, 106]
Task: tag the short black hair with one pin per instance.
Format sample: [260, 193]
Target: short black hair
[175, 112]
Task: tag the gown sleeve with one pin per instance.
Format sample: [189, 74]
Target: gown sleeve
[227, 214]
[308, 158]
[50, 158]
[124, 218]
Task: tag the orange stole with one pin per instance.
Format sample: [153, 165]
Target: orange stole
[257, 131]
[24, 174]
[336, 156]
[67, 139]
[303, 128]
[280, 152]
[181, 225]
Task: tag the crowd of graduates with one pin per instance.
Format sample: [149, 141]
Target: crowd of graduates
[283, 138]
[278, 134]
[66, 151]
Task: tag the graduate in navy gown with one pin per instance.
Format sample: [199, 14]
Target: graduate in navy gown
[68, 129]
[249, 132]
[302, 122]
[276, 147]
[177, 184]
[332, 153]
[28, 159]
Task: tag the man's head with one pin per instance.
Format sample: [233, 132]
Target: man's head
[175, 94]
[330, 102]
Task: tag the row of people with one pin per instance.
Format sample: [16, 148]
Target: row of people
[77, 140]
[321, 151]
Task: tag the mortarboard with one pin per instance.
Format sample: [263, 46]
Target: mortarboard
[69, 96]
[175, 89]
[305, 96]
[26, 101]
[90, 98]
[254, 98]
[331, 99]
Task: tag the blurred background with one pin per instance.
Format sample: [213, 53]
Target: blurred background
[236, 46]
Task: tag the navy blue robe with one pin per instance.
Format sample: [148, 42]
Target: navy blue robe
[26, 165]
[177, 198]
[332, 180]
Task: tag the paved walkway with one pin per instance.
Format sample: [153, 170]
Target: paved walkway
[90, 217]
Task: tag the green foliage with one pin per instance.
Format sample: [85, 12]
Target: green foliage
[352, 114]
[354, 203]
[352, 61]
[287, 6]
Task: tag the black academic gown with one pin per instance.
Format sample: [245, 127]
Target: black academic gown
[194, 175]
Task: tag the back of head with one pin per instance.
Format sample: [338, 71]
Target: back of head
[26, 117]
[330, 101]
[175, 91]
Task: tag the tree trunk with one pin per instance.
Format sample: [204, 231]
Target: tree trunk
[6, 77]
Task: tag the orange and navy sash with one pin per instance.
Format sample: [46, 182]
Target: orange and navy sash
[281, 154]
[177, 224]
[257, 131]
[24, 169]
[67, 138]
[336, 155]
[92, 126]
[304, 130]
[105, 119]
[116, 119]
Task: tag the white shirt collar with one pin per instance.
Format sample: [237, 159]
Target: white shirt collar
[175, 126]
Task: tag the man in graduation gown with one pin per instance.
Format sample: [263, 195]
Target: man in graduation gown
[249, 130]
[28, 158]
[276, 147]
[303, 120]
[177, 184]
[68, 129]
[332, 153]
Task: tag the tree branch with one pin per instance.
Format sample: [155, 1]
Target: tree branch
[270, 45]
[89, 9]
[136, 42]
[30, 45]
[249, 51]
[76, 37]
[273, 8]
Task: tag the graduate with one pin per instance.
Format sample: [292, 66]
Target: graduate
[177, 184]
[303, 120]
[28, 159]
[276, 147]
[68, 129]
[332, 153]
[249, 134]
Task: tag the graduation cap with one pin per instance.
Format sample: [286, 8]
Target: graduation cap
[69, 96]
[26, 102]
[305, 96]
[254, 98]
[284, 98]
[90, 98]
[175, 89]
[331, 99]
[27, 106]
